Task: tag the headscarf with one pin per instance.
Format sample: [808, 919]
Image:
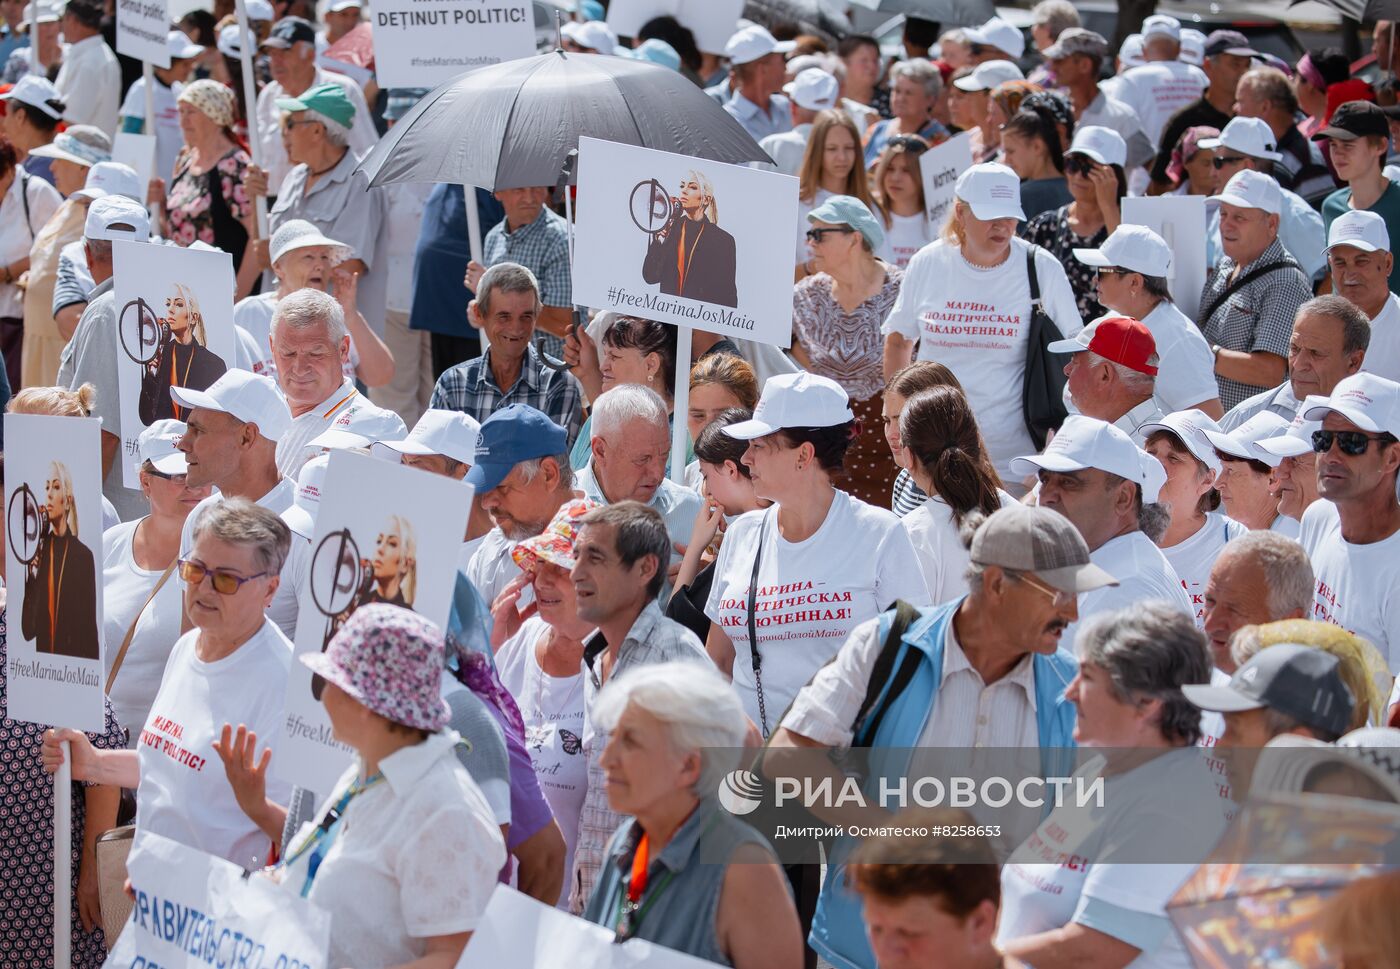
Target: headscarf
[213, 99]
[1186, 148]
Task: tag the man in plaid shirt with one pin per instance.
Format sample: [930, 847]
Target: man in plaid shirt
[506, 309]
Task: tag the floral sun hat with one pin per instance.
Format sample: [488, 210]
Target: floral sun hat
[556, 543]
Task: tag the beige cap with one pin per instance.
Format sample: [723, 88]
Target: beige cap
[1042, 541]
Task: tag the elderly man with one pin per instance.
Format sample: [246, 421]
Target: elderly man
[90, 80]
[1358, 138]
[1112, 374]
[1094, 475]
[1352, 535]
[1249, 300]
[1163, 85]
[511, 371]
[91, 356]
[1329, 340]
[291, 57]
[1077, 57]
[310, 347]
[1049, 21]
[1248, 143]
[1266, 93]
[1227, 58]
[811, 92]
[996, 652]
[1259, 577]
[630, 446]
[230, 442]
[1358, 252]
[755, 77]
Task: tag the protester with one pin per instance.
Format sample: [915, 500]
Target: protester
[1316, 71]
[812, 91]
[1076, 58]
[1295, 477]
[1360, 665]
[915, 87]
[971, 105]
[637, 352]
[995, 39]
[89, 81]
[1164, 85]
[33, 112]
[1003, 101]
[907, 382]
[73, 282]
[1358, 140]
[26, 204]
[1260, 577]
[1192, 168]
[898, 189]
[718, 382]
[861, 56]
[1112, 373]
[1246, 474]
[1358, 254]
[1227, 58]
[1264, 92]
[831, 167]
[755, 77]
[166, 82]
[1032, 146]
[1049, 21]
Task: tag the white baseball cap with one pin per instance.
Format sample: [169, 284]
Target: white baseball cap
[1297, 440]
[179, 46]
[300, 234]
[1193, 46]
[992, 191]
[795, 400]
[999, 34]
[813, 89]
[156, 444]
[338, 439]
[1130, 53]
[1361, 229]
[36, 91]
[1133, 247]
[1160, 25]
[48, 13]
[1103, 145]
[1086, 442]
[1371, 403]
[106, 217]
[447, 432]
[111, 178]
[230, 41]
[1248, 136]
[1190, 427]
[596, 36]
[250, 397]
[988, 75]
[1243, 441]
[750, 43]
[1251, 190]
[306, 500]
[340, 5]
[259, 10]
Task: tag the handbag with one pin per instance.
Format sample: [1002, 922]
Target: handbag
[1042, 391]
[112, 849]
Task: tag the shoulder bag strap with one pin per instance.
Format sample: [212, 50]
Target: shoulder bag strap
[1240, 284]
[753, 626]
[126, 642]
[1031, 276]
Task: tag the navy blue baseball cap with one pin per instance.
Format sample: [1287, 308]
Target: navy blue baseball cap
[511, 435]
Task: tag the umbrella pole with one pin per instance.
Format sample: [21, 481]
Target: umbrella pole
[474, 240]
[680, 429]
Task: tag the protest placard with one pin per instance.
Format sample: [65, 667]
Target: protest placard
[53, 568]
[939, 168]
[142, 26]
[685, 241]
[422, 43]
[1181, 220]
[136, 151]
[384, 532]
[711, 21]
[193, 911]
[174, 329]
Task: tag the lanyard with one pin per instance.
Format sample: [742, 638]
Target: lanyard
[319, 842]
[632, 901]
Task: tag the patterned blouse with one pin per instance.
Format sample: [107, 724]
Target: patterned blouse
[212, 218]
[847, 347]
[1051, 231]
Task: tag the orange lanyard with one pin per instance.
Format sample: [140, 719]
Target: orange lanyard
[53, 597]
[184, 381]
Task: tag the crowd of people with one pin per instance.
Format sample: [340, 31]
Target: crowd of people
[1009, 488]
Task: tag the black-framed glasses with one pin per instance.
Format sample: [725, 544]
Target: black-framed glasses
[156, 473]
[1220, 161]
[1079, 164]
[1351, 442]
[816, 235]
[225, 583]
[910, 144]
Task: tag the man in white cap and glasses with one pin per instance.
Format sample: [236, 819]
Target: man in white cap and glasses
[756, 76]
[168, 81]
[1352, 534]
[1359, 256]
[1249, 144]
[995, 40]
[1249, 300]
[1133, 265]
[1094, 475]
[813, 90]
[231, 443]
[91, 356]
[1163, 85]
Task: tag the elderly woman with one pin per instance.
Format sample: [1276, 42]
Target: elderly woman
[1246, 479]
[682, 872]
[634, 351]
[836, 327]
[898, 188]
[26, 205]
[140, 605]
[916, 86]
[1158, 790]
[218, 673]
[830, 167]
[33, 111]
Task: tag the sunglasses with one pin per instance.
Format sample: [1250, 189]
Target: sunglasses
[224, 583]
[1111, 271]
[1220, 161]
[908, 144]
[1351, 442]
[1079, 164]
[815, 235]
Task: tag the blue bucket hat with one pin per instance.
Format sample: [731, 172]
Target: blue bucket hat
[851, 211]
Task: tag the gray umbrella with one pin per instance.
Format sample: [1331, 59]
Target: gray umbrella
[512, 125]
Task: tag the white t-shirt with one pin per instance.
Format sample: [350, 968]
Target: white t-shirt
[1383, 352]
[169, 139]
[975, 322]
[404, 216]
[1158, 90]
[941, 553]
[810, 594]
[1193, 558]
[184, 794]
[126, 587]
[1358, 586]
[1285, 526]
[1142, 571]
[820, 196]
[906, 235]
[1186, 367]
[254, 313]
[1049, 880]
[552, 708]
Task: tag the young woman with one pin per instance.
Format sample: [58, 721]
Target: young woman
[907, 495]
[719, 382]
[1192, 167]
[832, 166]
[1031, 147]
[899, 191]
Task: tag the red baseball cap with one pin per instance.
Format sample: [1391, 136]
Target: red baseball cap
[1121, 339]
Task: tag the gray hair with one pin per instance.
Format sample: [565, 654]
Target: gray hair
[616, 408]
[698, 707]
[306, 308]
[99, 248]
[530, 470]
[639, 531]
[1056, 15]
[1150, 649]
[508, 277]
[1134, 381]
[1154, 518]
[1273, 86]
[1356, 327]
[920, 71]
[1288, 575]
[336, 133]
[239, 521]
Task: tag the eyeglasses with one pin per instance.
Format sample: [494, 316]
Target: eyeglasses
[288, 124]
[1079, 164]
[815, 235]
[1059, 599]
[224, 583]
[176, 478]
[1111, 271]
[910, 144]
[1220, 161]
[1351, 442]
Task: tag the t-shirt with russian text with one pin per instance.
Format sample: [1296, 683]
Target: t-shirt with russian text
[976, 322]
[184, 794]
[1193, 557]
[1158, 90]
[1356, 587]
[906, 235]
[810, 594]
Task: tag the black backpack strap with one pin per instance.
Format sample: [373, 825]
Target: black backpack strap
[884, 672]
[1244, 281]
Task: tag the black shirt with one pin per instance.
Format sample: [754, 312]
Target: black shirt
[1198, 112]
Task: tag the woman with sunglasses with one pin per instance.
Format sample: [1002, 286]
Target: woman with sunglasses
[899, 189]
[1096, 183]
[229, 669]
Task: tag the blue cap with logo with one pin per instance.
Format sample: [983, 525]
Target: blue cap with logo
[511, 435]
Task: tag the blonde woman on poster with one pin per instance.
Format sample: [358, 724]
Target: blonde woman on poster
[692, 256]
[182, 359]
[60, 592]
[391, 577]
